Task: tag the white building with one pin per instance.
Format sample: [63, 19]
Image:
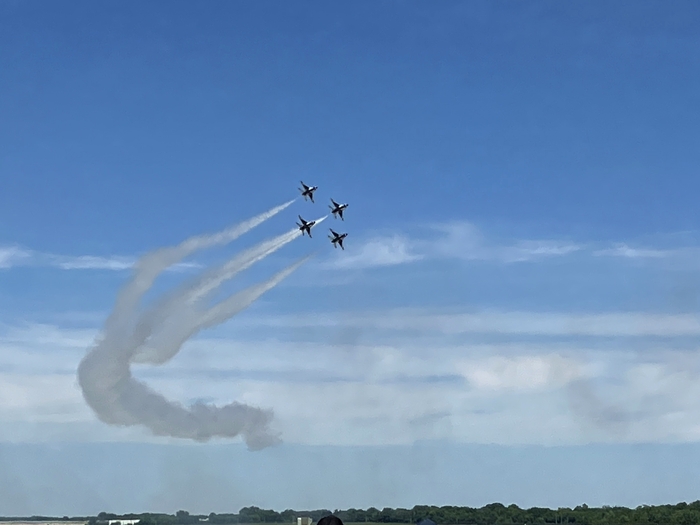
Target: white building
[123, 522]
[303, 521]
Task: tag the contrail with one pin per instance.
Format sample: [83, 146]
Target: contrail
[153, 264]
[105, 375]
[180, 310]
[188, 321]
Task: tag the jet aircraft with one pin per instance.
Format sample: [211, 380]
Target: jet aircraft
[337, 238]
[307, 191]
[337, 209]
[305, 226]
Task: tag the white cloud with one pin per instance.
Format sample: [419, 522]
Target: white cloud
[379, 393]
[508, 408]
[457, 240]
[380, 251]
[41, 398]
[37, 374]
[116, 263]
[524, 373]
[535, 323]
[623, 250]
[465, 241]
[88, 262]
[37, 334]
[12, 255]
[429, 322]
[528, 250]
[460, 240]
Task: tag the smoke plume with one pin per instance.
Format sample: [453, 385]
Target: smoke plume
[156, 335]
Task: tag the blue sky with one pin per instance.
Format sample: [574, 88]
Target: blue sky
[521, 279]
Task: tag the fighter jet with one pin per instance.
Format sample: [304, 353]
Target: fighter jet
[305, 226]
[337, 209]
[337, 239]
[307, 191]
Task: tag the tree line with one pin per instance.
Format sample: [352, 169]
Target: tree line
[493, 514]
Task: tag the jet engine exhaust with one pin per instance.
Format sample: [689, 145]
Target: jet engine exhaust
[155, 336]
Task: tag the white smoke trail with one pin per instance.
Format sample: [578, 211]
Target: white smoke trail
[186, 322]
[153, 264]
[105, 376]
[180, 311]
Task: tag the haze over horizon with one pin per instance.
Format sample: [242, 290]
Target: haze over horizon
[514, 317]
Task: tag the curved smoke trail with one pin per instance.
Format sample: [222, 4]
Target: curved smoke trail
[181, 310]
[156, 336]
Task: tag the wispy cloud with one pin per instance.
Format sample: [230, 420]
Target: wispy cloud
[88, 262]
[456, 240]
[623, 250]
[526, 323]
[465, 241]
[453, 240]
[384, 393]
[14, 256]
[532, 372]
[380, 251]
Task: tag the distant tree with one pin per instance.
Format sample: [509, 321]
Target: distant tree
[492, 514]
[686, 517]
